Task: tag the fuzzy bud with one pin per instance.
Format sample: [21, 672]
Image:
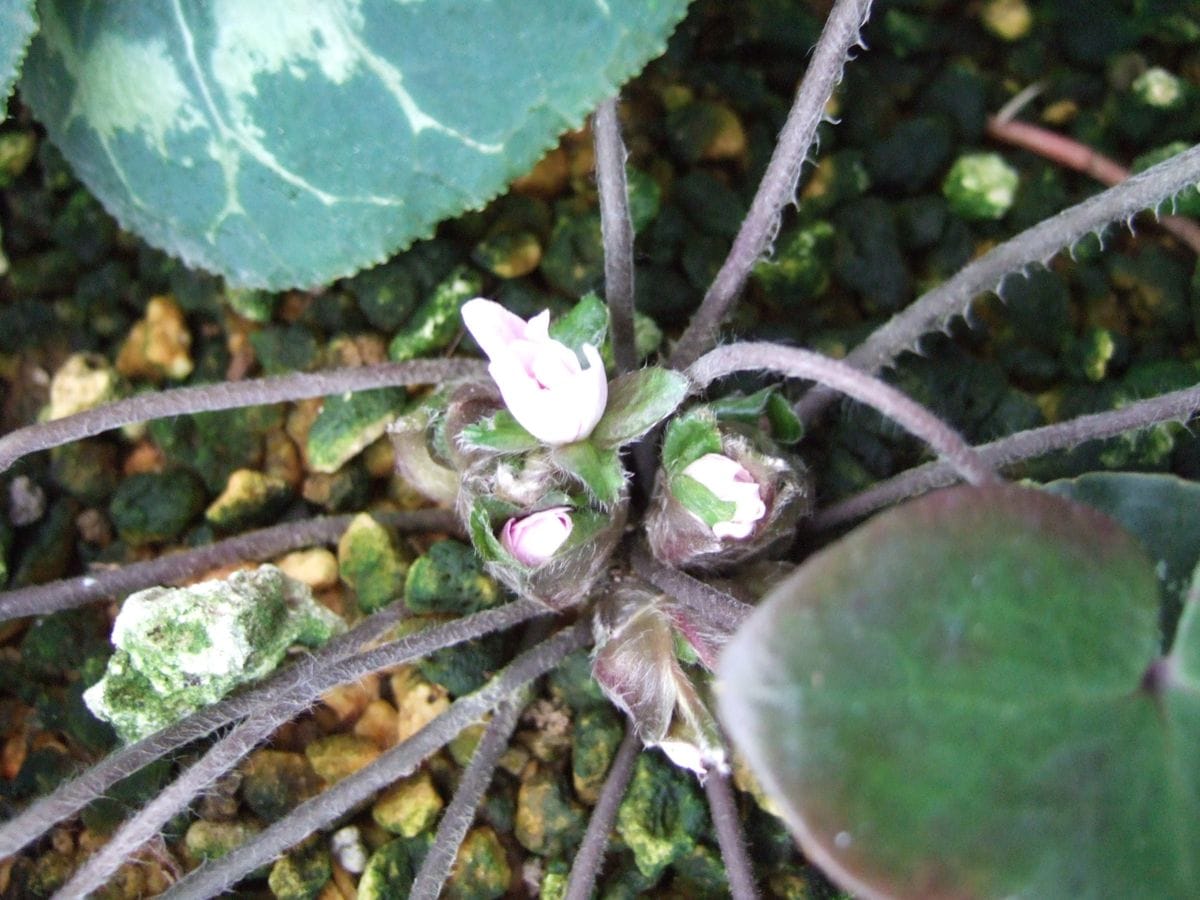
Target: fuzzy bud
[541, 380]
[730, 482]
[533, 539]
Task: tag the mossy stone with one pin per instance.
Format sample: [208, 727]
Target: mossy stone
[448, 578]
[285, 348]
[573, 261]
[549, 822]
[801, 266]
[348, 423]
[387, 294]
[250, 498]
[572, 681]
[337, 756]
[408, 807]
[87, 470]
[274, 782]
[509, 254]
[597, 734]
[438, 319]
[104, 815]
[212, 840]
[151, 507]
[214, 444]
[302, 873]
[464, 667]
[663, 814]
[370, 562]
[481, 870]
[250, 303]
[391, 869]
[50, 872]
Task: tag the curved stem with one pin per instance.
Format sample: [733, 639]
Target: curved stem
[70, 797]
[616, 228]
[457, 819]
[1177, 406]
[229, 395]
[850, 381]
[706, 601]
[778, 186]
[934, 310]
[69, 593]
[588, 859]
[219, 875]
[1078, 156]
[723, 807]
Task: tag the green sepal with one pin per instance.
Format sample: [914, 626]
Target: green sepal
[700, 501]
[499, 433]
[586, 323]
[688, 438]
[786, 427]
[637, 401]
[599, 469]
[487, 545]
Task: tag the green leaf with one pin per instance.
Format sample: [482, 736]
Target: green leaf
[586, 323]
[290, 143]
[348, 423]
[637, 401]
[701, 501]
[688, 438]
[500, 433]
[487, 545]
[599, 469]
[961, 698]
[786, 426]
[1162, 511]
[17, 25]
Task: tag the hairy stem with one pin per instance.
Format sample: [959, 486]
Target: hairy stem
[723, 807]
[171, 568]
[778, 185]
[229, 395]
[70, 797]
[710, 604]
[588, 859]
[403, 759]
[459, 815]
[850, 381]
[934, 310]
[617, 229]
[1177, 406]
[1071, 153]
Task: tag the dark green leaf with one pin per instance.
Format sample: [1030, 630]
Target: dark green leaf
[1162, 511]
[17, 25]
[688, 438]
[500, 433]
[637, 401]
[290, 145]
[961, 698]
[786, 426]
[700, 501]
[599, 469]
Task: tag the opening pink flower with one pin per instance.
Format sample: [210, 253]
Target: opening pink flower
[541, 380]
[534, 539]
[730, 481]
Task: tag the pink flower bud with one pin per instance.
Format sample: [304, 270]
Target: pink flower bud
[534, 539]
[730, 481]
[543, 385]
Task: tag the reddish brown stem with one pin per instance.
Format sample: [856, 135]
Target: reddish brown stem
[1071, 153]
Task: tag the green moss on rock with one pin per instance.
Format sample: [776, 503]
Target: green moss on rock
[348, 423]
[662, 816]
[274, 782]
[180, 649]
[151, 507]
[449, 579]
[549, 822]
[301, 874]
[481, 870]
[250, 498]
[409, 807]
[370, 562]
